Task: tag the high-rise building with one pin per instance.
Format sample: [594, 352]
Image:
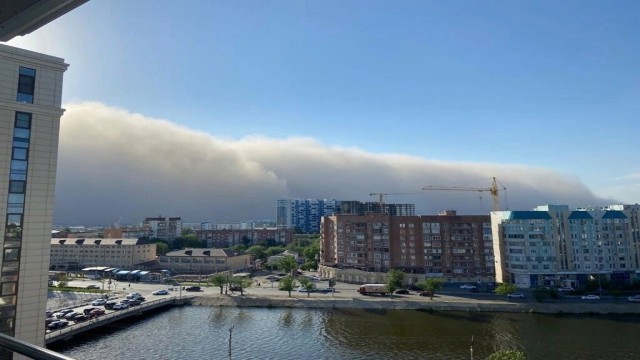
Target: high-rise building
[552, 245]
[165, 228]
[305, 215]
[454, 247]
[30, 110]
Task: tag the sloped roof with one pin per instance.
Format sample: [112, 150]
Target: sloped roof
[614, 214]
[580, 215]
[529, 215]
[203, 253]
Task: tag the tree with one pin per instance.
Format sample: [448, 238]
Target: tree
[246, 241]
[506, 289]
[258, 252]
[287, 264]
[239, 283]
[307, 284]
[395, 280]
[218, 280]
[287, 284]
[431, 285]
[162, 248]
[274, 250]
[507, 355]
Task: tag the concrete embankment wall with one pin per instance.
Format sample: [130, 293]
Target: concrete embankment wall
[399, 304]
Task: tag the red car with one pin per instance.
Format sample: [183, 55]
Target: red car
[96, 312]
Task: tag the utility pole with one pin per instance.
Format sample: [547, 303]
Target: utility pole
[471, 349]
[230, 334]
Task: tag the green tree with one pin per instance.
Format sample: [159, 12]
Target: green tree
[258, 252]
[239, 282]
[287, 284]
[287, 263]
[431, 285]
[274, 250]
[507, 355]
[162, 248]
[307, 285]
[506, 289]
[246, 241]
[395, 280]
[218, 280]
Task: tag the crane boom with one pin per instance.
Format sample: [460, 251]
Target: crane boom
[493, 190]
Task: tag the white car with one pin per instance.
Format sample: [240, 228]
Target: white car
[134, 296]
[515, 296]
[99, 302]
[161, 292]
[634, 298]
[591, 297]
[465, 286]
[565, 289]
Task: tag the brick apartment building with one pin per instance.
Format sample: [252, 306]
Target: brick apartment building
[455, 247]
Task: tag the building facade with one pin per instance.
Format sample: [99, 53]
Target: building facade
[229, 238]
[304, 216]
[205, 261]
[165, 228]
[552, 245]
[450, 246]
[76, 254]
[30, 110]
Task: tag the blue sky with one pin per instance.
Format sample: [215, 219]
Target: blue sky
[545, 84]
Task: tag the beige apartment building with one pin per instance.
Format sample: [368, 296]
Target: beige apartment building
[450, 246]
[76, 254]
[205, 261]
[30, 110]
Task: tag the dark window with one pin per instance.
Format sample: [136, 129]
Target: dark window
[26, 85]
[23, 120]
[16, 187]
[11, 255]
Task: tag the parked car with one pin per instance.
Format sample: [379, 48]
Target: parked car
[304, 289]
[161, 292]
[99, 302]
[235, 288]
[314, 277]
[634, 298]
[425, 293]
[402, 292]
[466, 286]
[565, 289]
[515, 296]
[325, 290]
[62, 313]
[590, 297]
[93, 287]
[272, 277]
[193, 288]
[49, 313]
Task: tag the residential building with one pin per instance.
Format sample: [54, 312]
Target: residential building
[205, 261]
[553, 245]
[76, 254]
[30, 95]
[304, 216]
[165, 228]
[451, 246]
[124, 233]
[247, 237]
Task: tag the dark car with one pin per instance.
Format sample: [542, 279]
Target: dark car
[96, 312]
[425, 293]
[109, 305]
[93, 287]
[134, 302]
[81, 318]
[235, 288]
[475, 290]
[58, 324]
[402, 292]
[193, 288]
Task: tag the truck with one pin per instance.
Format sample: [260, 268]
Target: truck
[371, 289]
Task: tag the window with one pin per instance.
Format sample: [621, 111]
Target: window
[26, 85]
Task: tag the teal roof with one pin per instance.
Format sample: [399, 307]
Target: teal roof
[614, 214]
[580, 215]
[529, 215]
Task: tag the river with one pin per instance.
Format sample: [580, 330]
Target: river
[281, 333]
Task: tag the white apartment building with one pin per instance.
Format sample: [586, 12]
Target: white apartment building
[165, 228]
[30, 110]
[76, 254]
[553, 245]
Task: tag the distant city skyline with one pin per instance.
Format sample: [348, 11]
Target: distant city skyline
[237, 104]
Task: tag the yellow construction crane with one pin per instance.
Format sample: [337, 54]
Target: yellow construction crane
[493, 190]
